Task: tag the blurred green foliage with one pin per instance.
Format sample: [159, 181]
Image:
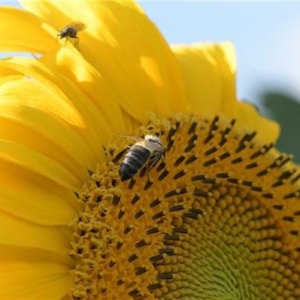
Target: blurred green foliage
[286, 111]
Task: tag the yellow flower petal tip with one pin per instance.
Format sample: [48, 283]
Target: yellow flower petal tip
[22, 31]
[248, 116]
[211, 69]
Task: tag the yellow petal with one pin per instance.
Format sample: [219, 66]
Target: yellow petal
[80, 81]
[30, 274]
[62, 132]
[35, 204]
[31, 182]
[209, 77]
[20, 233]
[22, 31]
[26, 158]
[267, 130]
[127, 49]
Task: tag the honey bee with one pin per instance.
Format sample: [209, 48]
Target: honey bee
[70, 31]
[146, 152]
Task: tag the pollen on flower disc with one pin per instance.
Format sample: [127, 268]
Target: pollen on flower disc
[218, 219]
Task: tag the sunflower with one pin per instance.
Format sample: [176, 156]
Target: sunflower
[217, 218]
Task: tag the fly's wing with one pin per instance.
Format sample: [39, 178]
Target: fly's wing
[76, 25]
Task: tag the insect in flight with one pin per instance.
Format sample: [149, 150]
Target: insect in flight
[70, 31]
[146, 152]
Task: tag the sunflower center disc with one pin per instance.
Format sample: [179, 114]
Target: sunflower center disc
[204, 224]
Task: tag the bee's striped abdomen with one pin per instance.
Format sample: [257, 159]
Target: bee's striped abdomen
[133, 161]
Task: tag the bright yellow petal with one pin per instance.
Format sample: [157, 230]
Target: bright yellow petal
[267, 130]
[77, 93]
[29, 160]
[209, 77]
[35, 187]
[25, 200]
[127, 49]
[20, 233]
[22, 31]
[87, 88]
[21, 133]
[25, 103]
[30, 274]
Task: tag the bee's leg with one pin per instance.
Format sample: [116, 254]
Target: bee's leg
[163, 162]
[76, 42]
[163, 156]
[66, 40]
[152, 163]
[148, 171]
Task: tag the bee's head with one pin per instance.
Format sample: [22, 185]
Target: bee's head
[152, 138]
[154, 142]
[67, 31]
[61, 34]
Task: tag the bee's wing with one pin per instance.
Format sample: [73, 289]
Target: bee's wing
[136, 138]
[77, 25]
